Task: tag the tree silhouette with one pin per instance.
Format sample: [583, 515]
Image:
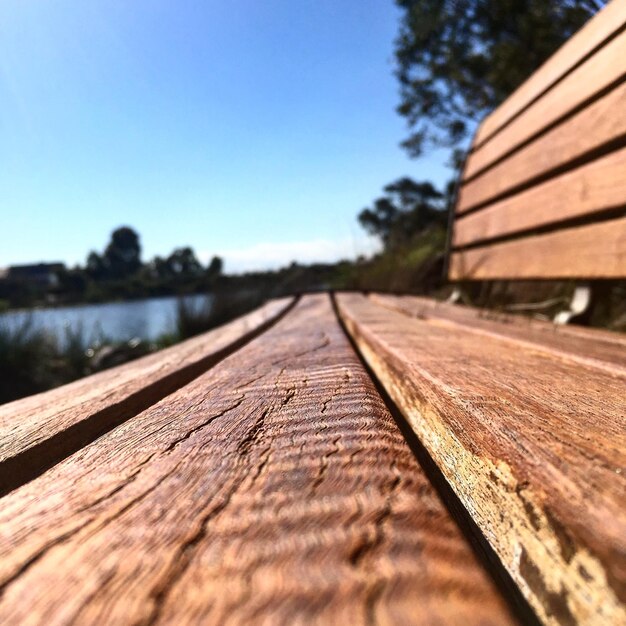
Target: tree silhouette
[122, 257]
[215, 267]
[407, 208]
[183, 262]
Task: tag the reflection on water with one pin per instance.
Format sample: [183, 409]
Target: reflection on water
[116, 321]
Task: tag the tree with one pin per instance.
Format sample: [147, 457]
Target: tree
[95, 266]
[160, 268]
[458, 59]
[183, 262]
[215, 267]
[72, 281]
[406, 209]
[122, 255]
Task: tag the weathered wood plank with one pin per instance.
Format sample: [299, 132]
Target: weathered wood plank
[587, 130]
[466, 312]
[592, 35]
[589, 189]
[594, 336]
[606, 351]
[597, 73]
[590, 251]
[534, 446]
[38, 431]
[275, 488]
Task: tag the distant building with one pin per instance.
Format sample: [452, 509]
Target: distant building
[40, 274]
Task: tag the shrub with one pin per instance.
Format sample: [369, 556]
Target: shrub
[194, 318]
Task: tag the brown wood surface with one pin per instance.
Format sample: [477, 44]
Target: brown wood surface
[599, 71]
[611, 340]
[533, 445]
[590, 251]
[601, 122]
[274, 489]
[466, 312]
[606, 351]
[40, 430]
[596, 31]
[591, 188]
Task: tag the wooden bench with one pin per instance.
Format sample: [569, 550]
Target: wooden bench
[273, 488]
[543, 192]
[355, 458]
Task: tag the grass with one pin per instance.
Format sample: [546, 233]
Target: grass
[195, 318]
[32, 360]
[414, 268]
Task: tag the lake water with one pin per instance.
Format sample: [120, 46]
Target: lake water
[119, 321]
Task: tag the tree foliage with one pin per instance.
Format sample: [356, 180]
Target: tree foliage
[183, 261]
[458, 59]
[121, 262]
[215, 267]
[407, 208]
[122, 256]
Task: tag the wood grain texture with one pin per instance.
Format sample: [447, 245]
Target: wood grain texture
[590, 251]
[273, 489]
[601, 122]
[603, 350]
[40, 430]
[466, 312]
[534, 446]
[591, 188]
[599, 71]
[602, 26]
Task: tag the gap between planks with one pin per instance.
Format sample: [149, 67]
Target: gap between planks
[474, 535]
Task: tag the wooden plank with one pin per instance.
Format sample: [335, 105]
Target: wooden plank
[597, 73]
[466, 312]
[38, 431]
[589, 129]
[274, 489]
[534, 446]
[606, 351]
[589, 189]
[592, 35]
[590, 251]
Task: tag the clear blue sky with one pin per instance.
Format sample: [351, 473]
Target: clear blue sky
[254, 130]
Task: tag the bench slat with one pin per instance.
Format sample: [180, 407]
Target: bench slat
[608, 21]
[594, 335]
[589, 189]
[590, 251]
[533, 446]
[275, 488]
[600, 349]
[596, 125]
[40, 430]
[598, 72]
